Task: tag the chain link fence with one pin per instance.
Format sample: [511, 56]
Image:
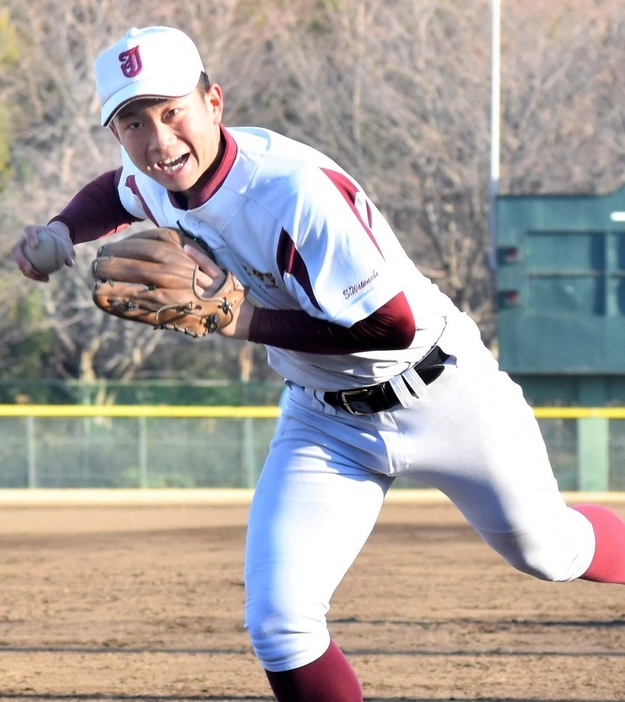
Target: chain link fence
[225, 447]
[138, 451]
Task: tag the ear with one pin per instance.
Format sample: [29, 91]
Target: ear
[215, 100]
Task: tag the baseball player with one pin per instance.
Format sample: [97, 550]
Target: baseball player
[385, 376]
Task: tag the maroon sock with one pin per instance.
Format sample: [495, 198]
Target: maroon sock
[328, 679]
[608, 563]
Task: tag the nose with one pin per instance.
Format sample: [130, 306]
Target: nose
[161, 137]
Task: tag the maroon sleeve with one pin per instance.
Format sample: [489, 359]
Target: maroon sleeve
[390, 327]
[96, 210]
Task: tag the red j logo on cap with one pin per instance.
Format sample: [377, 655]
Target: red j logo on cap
[131, 62]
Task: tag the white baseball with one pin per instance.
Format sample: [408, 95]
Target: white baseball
[48, 256]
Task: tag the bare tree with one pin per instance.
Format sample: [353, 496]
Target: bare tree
[398, 93]
[59, 147]
[562, 126]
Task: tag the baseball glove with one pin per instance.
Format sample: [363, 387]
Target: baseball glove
[148, 278]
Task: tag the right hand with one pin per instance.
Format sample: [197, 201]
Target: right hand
[30, 236]
[210, 278]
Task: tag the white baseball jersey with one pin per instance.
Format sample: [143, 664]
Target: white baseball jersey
[301, 233]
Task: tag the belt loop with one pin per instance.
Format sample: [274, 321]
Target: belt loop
[409, 380]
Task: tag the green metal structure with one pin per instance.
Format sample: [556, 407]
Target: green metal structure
[561, 296]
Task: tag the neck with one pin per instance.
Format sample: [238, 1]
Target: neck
[195, 193]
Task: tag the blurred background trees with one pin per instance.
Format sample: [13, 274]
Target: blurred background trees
[397, 92]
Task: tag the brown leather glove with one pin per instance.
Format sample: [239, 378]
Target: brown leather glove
[147, 277]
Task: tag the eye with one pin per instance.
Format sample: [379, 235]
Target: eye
[172, 113]
[125, 123]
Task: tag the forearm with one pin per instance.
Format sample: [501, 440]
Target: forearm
[96, 210]
[390, 327]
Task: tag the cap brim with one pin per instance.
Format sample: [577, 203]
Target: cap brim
[142, 90]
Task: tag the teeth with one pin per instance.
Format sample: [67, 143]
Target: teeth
[172, 164]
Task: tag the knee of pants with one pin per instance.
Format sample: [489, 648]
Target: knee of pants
[560, 553]
[539, 565]
[286, 634]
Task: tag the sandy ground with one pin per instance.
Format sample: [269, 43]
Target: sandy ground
[131, 599]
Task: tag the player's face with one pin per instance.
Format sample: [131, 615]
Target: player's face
[173, 141]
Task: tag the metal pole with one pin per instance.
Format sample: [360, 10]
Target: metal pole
[495, 118]
[144, 481]
[248, 452]
[31, 452]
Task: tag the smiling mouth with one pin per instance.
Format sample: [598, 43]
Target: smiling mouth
[172, 165]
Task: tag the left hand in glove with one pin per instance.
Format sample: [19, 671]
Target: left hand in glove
[148, 277]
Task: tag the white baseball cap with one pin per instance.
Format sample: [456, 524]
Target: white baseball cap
[149, 62]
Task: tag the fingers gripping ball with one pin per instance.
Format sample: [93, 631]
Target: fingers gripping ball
[148, 278]
[48, 256]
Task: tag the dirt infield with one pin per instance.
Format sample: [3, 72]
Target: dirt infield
[136, 600]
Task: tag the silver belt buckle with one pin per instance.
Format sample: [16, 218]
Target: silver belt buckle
[343, 396]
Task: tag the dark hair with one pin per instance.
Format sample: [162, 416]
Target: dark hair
[204, 82]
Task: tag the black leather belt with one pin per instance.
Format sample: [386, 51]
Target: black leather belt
[378, 398]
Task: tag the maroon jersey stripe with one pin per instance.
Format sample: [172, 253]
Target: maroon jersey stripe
[289, 261]
[349, 191]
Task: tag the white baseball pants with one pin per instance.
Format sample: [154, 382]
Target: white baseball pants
[470, 434]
